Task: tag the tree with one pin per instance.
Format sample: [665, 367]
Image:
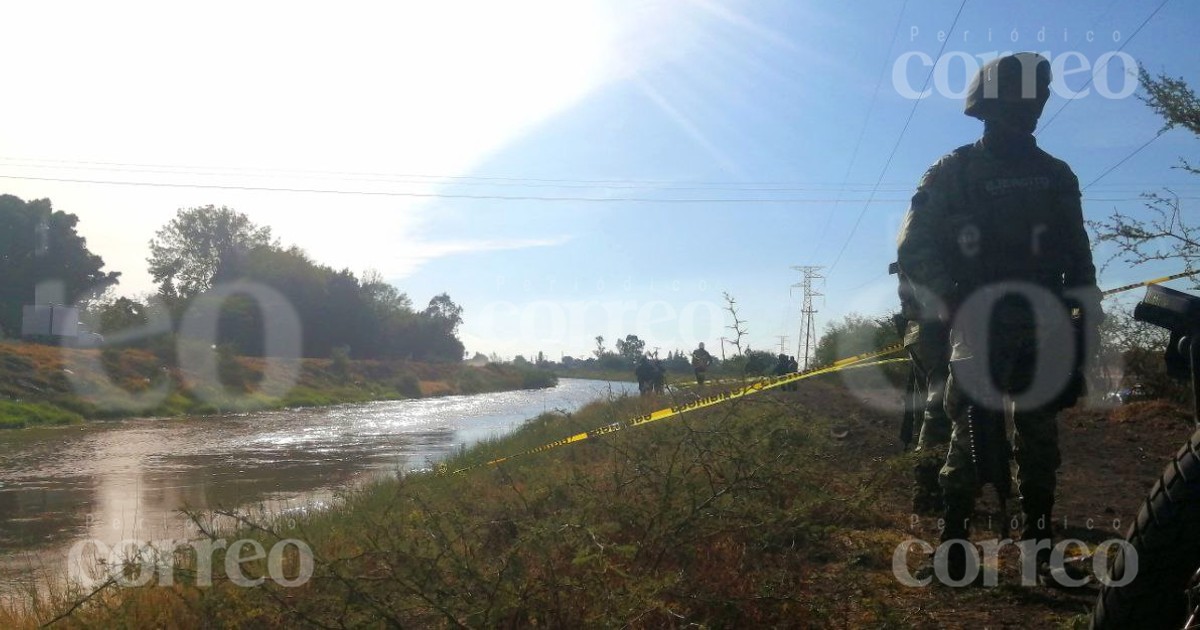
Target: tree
[333, 306]
[749, 363]
[39, 244]
[200, 246]
[444, 312]
[1175, 102]
[383, 294]
[678, 361]
[853, 335]
[1165, 233]
[1133, 351]
[631, 348]
[115, 314]
[599, 351]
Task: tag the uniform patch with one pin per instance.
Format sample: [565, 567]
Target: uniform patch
[1005, 185]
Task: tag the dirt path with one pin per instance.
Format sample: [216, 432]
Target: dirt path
[1111, 458]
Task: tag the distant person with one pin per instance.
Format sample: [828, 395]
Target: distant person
[781, 365]
[701, 360]
[660, 376]
[645, 376]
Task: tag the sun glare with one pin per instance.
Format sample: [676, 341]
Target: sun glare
[255, 89]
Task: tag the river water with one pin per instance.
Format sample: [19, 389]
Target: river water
[115, 481]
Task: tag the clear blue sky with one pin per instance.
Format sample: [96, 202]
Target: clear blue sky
[656, 154]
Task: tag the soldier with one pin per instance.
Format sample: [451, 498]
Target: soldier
[645, 375]
[701, 359]
[781, 365]
[995, 246]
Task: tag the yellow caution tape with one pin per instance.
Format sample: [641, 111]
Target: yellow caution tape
[856, 361]
[1147, 283]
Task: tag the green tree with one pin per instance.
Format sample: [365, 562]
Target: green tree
[39, 244]
[1133, 351]
[749, 363]
[114, 314]
[631, 348]
[1164, 232]
[445, 314]
[384, 295]
[200, 246]
[853, 335]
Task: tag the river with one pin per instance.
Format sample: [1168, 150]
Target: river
[129, 479]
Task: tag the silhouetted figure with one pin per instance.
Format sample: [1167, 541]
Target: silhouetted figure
[781, 365]
[645, 373]
[989, 222]
[701, 360]
[660, 376]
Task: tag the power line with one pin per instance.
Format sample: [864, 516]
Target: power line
[1092, 76]
[564, 198]
[400, 178]
[896, 147]
[1125, 159]
[411, 179]
[417, 178]
[863, 132]
[389, 193]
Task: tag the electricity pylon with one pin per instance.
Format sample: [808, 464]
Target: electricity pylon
[808, 326]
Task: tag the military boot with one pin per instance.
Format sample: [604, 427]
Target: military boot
[927, 493]
[1038, 528]
[956, 515]
[1039, 533]
[958, 527]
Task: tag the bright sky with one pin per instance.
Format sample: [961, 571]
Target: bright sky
[565, 169]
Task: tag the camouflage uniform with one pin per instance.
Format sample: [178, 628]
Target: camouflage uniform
[926, 341]
[999, 211]
[928, 349]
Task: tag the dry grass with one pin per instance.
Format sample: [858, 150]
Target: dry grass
[744, 515]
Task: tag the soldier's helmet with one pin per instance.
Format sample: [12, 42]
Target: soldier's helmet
[1014, 84]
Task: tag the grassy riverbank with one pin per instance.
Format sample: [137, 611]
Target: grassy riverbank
[782, 509]
[48, 385]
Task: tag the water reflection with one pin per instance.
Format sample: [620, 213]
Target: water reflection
[121, 480]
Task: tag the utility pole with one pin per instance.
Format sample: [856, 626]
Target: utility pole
[782, 342]
[808, 327]
[723, 340]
